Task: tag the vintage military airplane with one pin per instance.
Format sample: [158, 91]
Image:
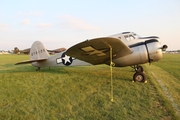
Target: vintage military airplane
[120, 50]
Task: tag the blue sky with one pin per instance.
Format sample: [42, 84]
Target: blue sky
[60, 23]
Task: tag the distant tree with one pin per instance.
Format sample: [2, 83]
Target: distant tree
[9, 51]
[16, 50]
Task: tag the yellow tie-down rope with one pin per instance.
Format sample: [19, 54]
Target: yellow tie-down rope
[111, 65]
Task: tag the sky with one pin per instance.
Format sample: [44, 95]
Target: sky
[64, 23]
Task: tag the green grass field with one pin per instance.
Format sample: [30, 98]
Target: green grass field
[79, 93]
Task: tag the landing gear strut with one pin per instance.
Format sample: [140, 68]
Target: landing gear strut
[138, 68]
[139, 76]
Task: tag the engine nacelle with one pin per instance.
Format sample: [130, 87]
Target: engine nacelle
[143, 52]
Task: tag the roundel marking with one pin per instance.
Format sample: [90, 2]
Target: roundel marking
[66, 60]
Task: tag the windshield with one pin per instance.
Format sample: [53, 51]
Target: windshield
[136, 35]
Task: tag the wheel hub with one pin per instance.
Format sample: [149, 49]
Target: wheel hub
[139, 78]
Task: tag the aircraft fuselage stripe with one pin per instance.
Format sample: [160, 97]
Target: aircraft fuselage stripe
[143, 43]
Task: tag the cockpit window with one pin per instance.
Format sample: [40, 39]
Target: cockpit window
[136, 35]
[129, 37]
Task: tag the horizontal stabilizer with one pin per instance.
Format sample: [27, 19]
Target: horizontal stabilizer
[30, 61]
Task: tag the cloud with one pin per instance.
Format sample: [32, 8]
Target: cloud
[26, 22]
[44, 25]
[3, 27]
[71, 22]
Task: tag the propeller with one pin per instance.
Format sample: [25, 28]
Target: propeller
[164, 47]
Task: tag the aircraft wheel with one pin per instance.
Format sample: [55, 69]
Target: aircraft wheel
[139, 77]
[139, 69]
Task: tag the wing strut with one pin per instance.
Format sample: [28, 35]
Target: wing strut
[111, 65]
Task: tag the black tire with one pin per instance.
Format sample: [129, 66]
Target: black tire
[139, 77]
[139, 69]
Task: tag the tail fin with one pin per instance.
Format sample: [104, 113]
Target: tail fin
[38, 51]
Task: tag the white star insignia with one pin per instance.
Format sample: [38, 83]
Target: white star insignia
[66, 59]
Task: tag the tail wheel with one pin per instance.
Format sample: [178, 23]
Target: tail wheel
[38, 69]
[139, 77]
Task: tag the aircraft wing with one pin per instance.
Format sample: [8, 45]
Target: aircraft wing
[97, 51]
[30, 61]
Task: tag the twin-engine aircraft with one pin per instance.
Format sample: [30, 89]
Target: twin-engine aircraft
[120, 50]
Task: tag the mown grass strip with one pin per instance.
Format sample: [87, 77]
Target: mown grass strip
[167, 75]
[167, 94]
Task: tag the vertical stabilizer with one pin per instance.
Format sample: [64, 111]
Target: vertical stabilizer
[38, 51]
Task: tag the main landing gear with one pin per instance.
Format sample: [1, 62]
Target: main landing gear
[139, 76]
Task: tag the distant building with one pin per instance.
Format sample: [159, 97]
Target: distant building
[2, 52]
[173, 52]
